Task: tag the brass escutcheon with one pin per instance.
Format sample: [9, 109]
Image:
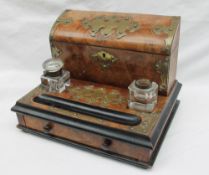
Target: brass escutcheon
[104, 58]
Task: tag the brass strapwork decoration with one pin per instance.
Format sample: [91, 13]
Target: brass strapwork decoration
[60, 20]
[168, 30]
[106, 26]
[64, 21]
[97, 95]
[148, 122]
[162, 67]
[56, 52]
[104, 58]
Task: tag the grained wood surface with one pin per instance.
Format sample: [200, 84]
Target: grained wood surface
[129, 66]
[90, 139]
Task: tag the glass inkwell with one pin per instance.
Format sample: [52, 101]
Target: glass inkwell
[54, 78]
[143, 95]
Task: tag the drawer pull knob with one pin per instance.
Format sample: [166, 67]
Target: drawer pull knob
[48, 127]
[107, 142]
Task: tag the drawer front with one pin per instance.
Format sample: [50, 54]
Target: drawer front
[89, 139]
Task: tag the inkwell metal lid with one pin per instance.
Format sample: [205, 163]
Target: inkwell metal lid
[143, 83]
[53, 67]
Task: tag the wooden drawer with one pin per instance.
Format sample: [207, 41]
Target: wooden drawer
[90, 139]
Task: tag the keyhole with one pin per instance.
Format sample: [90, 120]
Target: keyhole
[104, 55]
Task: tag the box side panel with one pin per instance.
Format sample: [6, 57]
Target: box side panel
[176, 36]
[172, 69]
[173, 60]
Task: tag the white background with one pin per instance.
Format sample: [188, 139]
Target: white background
[24, 30]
